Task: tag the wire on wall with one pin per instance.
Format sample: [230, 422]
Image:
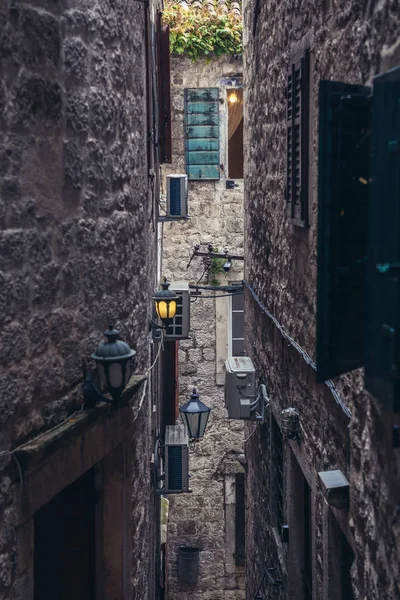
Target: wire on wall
[305, 356]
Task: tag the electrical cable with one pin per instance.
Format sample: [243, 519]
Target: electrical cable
[305, 356]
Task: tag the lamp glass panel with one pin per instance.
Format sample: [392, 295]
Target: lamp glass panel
[101, 373]
[172, 309]
[203, 422]
[116, 376]
[192, 424]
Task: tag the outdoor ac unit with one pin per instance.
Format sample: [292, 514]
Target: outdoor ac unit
[179, 328]
[240, 388]
[176, 459]
[177, 196]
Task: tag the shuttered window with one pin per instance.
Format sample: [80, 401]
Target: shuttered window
[202, 133]
[236, 325]
[382, 368]
[239, 520]
[343, 196]
[298, 140]
[164, 92]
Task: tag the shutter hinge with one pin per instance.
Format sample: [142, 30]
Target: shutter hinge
[385, 267]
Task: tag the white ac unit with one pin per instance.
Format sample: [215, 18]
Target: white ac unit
[176, 459]
[177, 196]
[180, 326]
[240, 388]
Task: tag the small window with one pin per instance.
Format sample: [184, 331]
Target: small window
[164, 91]
[239, 520]
[298, 139]
[235, 133]
[277, 475]
[236, 325]
[202, 133]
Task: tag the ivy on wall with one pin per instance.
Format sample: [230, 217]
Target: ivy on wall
[198, 32]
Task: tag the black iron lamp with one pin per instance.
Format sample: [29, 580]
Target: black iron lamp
[165, 301]
[114, 362]
[195, 416]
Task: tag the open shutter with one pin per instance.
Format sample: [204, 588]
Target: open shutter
[298, 107]
[343, 197]
[382, 368]
[164, 91]
[202, 133]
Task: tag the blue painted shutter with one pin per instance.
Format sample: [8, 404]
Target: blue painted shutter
[382, 369]
[343, 198]
[202, 133]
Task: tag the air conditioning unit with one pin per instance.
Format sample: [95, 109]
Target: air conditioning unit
[179, 328]
[176, 459]
[241, 398]
[177, 197]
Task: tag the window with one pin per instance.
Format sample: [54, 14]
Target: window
[358, 234]
[344, 147]
[236, 325]
[340, 559]
[277, 475]
[239, 520]
[164, 92]
[235, 133]
[202, 133]
[382, 362]
[307, 543]
[297, 140]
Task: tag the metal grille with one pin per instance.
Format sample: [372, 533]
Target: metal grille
[277, 457]
[269, 585]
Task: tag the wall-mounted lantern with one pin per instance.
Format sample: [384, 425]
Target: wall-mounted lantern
[195, 416]
[165, 301]
[114, 365]
[290, 423]
[336, 488]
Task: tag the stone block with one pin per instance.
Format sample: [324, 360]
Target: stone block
[36, 103]
[75, 55]
[39, 42]
[77, 112]
[73, 165]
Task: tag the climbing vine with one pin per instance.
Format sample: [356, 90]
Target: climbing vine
[198, 32]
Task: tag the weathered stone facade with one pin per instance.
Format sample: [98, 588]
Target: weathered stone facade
[349, 42]
[76, 247]
[204, 517]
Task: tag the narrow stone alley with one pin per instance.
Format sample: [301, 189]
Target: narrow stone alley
[199, 251]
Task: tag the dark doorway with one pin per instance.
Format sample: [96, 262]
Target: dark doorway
[235, 133]
[64, 554]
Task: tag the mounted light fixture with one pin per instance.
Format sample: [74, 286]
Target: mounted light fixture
[233, 97]
[195, 416]
[165, 301]
[114, 364]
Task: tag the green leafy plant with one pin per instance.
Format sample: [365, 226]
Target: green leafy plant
[216, 269]
[198, 32]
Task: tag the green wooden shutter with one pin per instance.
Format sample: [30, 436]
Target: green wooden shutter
[202, 133]
[382, 369]
[343, 197]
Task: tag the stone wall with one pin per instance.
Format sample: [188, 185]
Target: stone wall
[200, 519]
[74, 219]
[350, 42]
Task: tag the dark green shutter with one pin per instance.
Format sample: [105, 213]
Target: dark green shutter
[343, 196]
[202, 133]
[382, 369]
